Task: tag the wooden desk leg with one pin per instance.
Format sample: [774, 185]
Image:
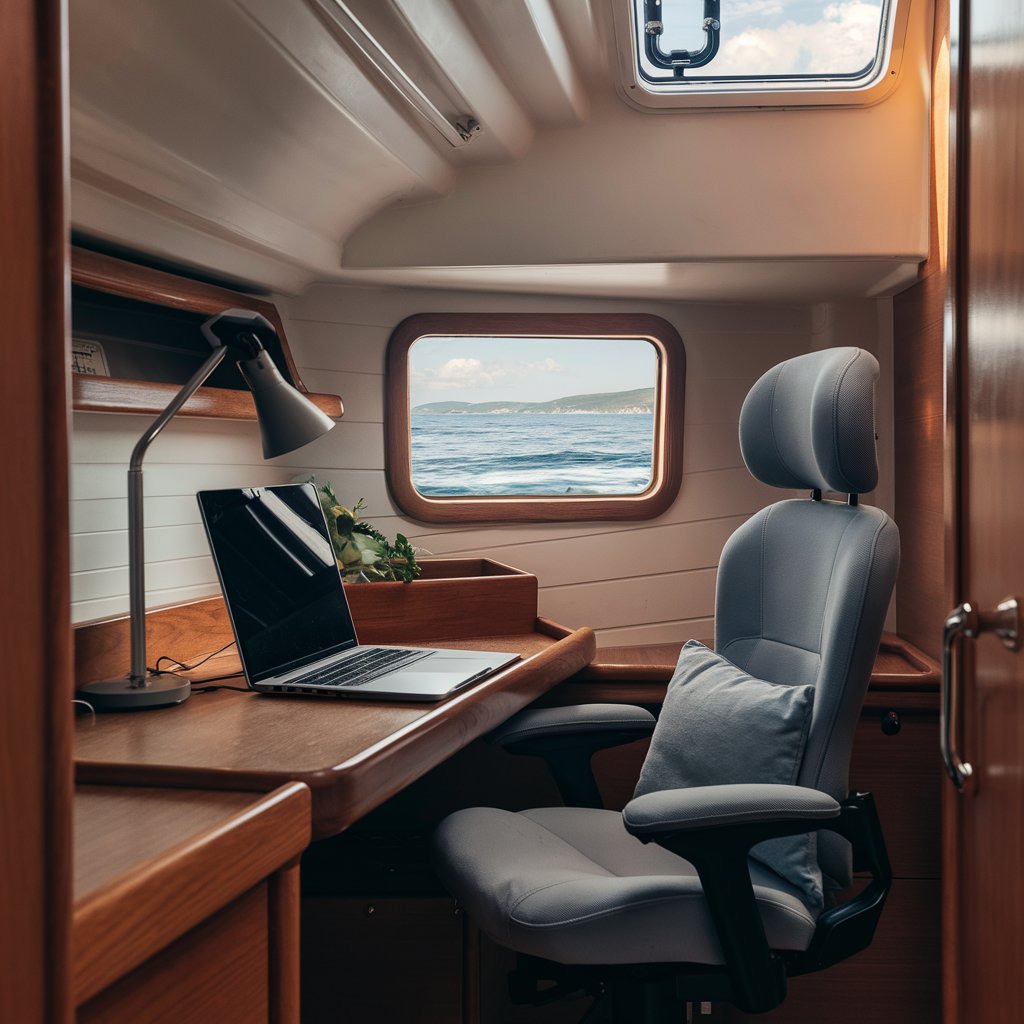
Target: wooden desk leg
[284, 945]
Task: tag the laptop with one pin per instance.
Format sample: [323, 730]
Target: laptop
[289, 612]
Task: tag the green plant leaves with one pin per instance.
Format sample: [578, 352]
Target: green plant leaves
[364, 554]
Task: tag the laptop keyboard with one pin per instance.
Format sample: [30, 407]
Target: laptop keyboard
[360, 668]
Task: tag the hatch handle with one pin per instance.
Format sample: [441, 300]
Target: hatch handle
[677, 61]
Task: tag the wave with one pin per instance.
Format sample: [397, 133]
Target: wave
[553, 454]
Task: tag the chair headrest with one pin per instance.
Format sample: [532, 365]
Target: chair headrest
[810, 423]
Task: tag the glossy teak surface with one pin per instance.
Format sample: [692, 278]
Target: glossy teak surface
[35, 711]
[152, 864]
[353, 754]
[985, 886]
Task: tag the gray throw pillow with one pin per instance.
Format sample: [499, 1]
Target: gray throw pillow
[720, 726]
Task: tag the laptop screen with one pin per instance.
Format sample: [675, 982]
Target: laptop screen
[279, 576]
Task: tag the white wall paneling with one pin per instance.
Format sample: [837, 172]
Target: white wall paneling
[645, 582]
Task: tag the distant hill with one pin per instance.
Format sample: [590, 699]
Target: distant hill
[638, 401]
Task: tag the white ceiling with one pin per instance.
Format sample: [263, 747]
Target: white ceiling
[254, 139]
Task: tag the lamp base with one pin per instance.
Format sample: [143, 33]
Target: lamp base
[159, 690]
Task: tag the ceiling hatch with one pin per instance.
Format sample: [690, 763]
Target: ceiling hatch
[761, 52]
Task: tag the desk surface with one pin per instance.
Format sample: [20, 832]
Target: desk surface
[641, 674]
[352, 754]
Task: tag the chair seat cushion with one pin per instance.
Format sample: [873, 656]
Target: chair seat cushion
[570, 884]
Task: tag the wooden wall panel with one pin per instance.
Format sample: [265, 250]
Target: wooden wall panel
[35, 708]
[918, 402]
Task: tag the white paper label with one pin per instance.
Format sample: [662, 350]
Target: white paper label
[88, 357]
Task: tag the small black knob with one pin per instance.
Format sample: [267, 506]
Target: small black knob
[890, 723]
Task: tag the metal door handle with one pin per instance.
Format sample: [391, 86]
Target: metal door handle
[968, 622]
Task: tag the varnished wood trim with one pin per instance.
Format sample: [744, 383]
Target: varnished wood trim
[352, 754]
[35, 718]
[285, 900]
[918, 327]
[954, 359]
[390, 766]
[114, 276]
[651, 692]
[122, 924]
[668, 428]
[217, 973]
[114, 394]
[552, 629]
[439, 607]
[130, 280]
[641, 674]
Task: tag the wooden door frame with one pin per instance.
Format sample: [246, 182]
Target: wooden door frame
[953, 333]
[35, 633]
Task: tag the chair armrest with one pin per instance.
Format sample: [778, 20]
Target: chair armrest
[575, 721]
[568, 737]
[714, 827]
[714, 807]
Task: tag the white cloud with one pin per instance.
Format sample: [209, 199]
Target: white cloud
[462, 372]
[844, 39]
[545, 366]
[753, 8]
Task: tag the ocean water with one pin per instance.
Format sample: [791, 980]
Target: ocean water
[566, 453]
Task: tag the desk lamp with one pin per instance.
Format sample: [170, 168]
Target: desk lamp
[287, 419]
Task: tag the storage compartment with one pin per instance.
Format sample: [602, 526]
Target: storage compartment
[216, 973]
[371, 960]
[455, 598]
[903, 772]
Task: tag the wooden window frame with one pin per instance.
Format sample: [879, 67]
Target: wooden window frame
[667, 460]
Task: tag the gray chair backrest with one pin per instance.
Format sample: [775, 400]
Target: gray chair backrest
[804, 585]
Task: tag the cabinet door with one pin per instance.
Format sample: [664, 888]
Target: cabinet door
[218, 973]
[373, 961]
[893, 981]
[903, 771]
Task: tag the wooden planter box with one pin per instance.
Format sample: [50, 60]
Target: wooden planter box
[454, 598]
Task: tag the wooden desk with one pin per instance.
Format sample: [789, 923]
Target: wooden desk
[186, 904]
[641, 674]
[352, 754]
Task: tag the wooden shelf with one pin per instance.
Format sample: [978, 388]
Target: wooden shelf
[114, 394]
[99, 273]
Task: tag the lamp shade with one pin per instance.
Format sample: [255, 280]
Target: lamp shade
[287, 419]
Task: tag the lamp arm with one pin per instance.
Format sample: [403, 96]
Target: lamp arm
[136, 542]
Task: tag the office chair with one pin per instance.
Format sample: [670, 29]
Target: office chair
[717, 880]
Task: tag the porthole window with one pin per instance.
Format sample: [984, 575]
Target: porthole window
[762, 53]
[534, 417]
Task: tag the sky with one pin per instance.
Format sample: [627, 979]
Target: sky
[779, 36]
[526, 369]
